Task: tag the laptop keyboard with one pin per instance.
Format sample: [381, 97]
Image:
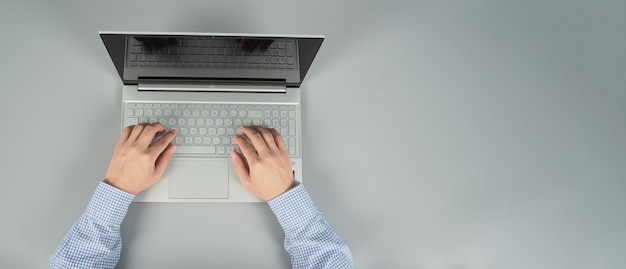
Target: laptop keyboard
[206, 52]
[208, 128]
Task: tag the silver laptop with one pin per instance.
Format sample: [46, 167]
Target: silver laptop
[207, 85]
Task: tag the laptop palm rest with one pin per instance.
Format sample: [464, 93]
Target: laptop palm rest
[198, 179]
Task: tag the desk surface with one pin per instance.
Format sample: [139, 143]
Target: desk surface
[437, 134]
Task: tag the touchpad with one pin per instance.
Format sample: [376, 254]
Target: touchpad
[197, 178]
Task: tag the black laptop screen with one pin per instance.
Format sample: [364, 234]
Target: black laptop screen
[213, 58]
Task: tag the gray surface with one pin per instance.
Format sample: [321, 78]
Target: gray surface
[475, 134]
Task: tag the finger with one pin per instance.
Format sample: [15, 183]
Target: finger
[159, 146]
[280, 142]
[267, 136]
[149, 132]
[256, 138]
[246, 149]
[126, 133]
[136, 132]
[163, 161]
[240, 166]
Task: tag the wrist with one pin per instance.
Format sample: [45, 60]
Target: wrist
[117, 186]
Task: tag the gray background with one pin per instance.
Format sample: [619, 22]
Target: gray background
[437, 134]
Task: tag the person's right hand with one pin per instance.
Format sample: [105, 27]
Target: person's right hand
[137, 163]
[267, 172]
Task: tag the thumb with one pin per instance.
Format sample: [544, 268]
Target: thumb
[241, 168]
[163, 161]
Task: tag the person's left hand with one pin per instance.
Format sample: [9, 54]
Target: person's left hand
[137, 163]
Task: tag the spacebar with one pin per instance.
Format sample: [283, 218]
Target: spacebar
[196, 150]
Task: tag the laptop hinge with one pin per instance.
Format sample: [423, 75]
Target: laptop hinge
[211, 88]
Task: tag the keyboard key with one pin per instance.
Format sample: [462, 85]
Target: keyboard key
[292, 127]
[132, 121]
[255, 114]
[195, 149]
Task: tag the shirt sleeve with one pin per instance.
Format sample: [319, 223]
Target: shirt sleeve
[95, 240]
[309, 240]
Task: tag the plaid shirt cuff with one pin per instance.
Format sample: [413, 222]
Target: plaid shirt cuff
[294, 208]
[109, 204]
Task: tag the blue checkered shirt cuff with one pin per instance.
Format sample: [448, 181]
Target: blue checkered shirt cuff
[109, 204]
[294, 208]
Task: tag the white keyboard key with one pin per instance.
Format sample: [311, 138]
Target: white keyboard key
[202, 131]
[292, 127]
[188, 140]
[255, 114]
[130, 112]
[221, 150]
[207, 140]
[132, 121]
[179, 141]
[197, 140]
[292, 142]
[195, 149]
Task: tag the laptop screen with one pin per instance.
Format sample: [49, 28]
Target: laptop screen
[214, 58]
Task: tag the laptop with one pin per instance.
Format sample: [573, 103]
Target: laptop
[207, 85]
